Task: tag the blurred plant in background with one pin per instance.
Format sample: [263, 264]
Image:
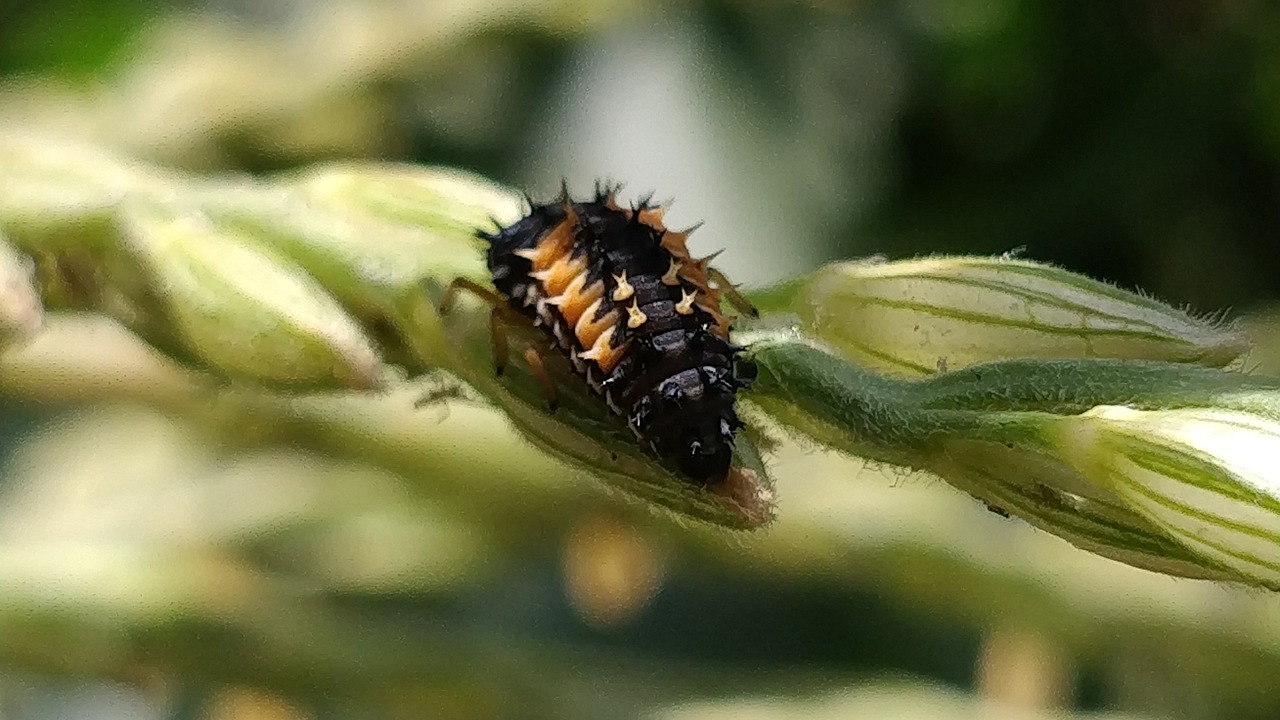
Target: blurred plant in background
[181, 549]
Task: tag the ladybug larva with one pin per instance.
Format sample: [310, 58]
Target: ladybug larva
[638, 317]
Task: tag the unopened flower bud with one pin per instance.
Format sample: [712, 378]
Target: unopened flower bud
[1209, 477]
[920, 317]
[428, 198]
[243, 311]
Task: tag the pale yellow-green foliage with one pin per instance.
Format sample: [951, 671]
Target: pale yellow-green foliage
[242, 476]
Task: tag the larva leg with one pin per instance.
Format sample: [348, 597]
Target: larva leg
[731, 291]
[501, 315]
[459, 284]
[534, 358]
[498, 339]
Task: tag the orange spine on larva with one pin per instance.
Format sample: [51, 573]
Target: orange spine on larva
[556, 244]
[602, 352]
[576, 298]
[557, 278]
[675, 243]
[589, 327]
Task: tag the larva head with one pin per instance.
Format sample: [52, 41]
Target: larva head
[706, 449]
[690, 418]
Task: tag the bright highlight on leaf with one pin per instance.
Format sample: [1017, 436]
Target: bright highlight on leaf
[20, 310]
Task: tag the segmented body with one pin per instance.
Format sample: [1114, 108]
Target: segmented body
[639, 320]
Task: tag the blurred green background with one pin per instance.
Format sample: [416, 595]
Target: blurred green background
[353, 557]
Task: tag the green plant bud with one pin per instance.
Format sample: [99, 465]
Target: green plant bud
[1209, 477]
[1039, 486]
[242, 311]
[442, 200]
[921, 317]
[371, 234]
[57, 193]
[1044, 440]
[20, 311]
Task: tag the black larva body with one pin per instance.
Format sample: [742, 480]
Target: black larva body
[638, 318]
